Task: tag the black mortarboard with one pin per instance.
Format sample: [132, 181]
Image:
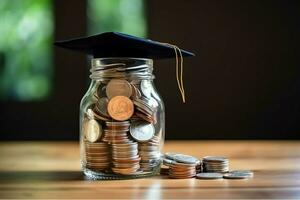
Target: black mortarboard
[113, 44]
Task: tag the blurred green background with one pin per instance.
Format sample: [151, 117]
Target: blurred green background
[26, 30]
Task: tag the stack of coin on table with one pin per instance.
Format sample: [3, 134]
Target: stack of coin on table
[180, 165]
[212, 167]
[119, 128]
[215, 164]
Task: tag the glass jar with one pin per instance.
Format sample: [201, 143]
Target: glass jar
[122, 120]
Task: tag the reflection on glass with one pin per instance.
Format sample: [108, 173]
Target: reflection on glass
[26, 29]
[125, 16]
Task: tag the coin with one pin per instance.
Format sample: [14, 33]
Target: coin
[242, 172]
[215, 159]
[136, 94]
[182, 158]
[150, 153]
[92, 130]
[146, 88]
[237, 175]
[120, 108]
[93, 112]
[97, 155]
[186, 159]
[141, 131]
[207, 175]
[164, 170]
[181, 166]
[102, 106]
[147, 118]
[118, 87]
[182, 171]
[215, 164]
[101, 90]
[168, 162]
[124, 151]
[170, 155]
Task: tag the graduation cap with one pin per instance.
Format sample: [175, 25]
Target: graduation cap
[114, 44]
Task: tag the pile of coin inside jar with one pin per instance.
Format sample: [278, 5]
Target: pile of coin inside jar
[182, 166]
[119, 128]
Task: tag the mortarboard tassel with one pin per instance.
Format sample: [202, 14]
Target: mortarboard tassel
[179, 69]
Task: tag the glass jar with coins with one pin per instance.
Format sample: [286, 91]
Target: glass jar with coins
[121, 120]
[122, 117]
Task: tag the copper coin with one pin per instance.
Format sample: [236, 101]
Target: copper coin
[120, 108]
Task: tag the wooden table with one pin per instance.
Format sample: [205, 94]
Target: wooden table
[37, 170]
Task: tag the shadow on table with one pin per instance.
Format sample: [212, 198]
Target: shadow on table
[24, 176]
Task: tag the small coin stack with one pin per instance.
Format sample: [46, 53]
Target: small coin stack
[97, 155]
[150, 154]
[215, 164]
[125, 158]
[181, 166]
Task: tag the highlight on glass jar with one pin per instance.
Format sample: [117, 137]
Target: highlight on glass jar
[122, 117]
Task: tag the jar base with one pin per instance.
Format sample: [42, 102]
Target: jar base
[94, 175]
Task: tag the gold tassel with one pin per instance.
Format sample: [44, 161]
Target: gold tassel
[179, 70]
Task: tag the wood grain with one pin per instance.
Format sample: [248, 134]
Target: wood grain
[38, 170]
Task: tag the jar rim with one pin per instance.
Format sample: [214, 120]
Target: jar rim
[121, 67]
[97, 62]
[125, 58]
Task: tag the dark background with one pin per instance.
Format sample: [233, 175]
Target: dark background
[242, 84]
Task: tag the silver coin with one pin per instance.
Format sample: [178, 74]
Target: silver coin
[146, 88]
[237, 175]
[215, 159]
[186, 159]
[170, 155]
[90, 114]
[136, 94]
[141, 131]
[142, 106]
[118, 87]
[242, 172]
[92, 130]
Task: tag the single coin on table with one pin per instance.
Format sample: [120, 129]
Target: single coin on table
[237, 175]
[243, 172]
[92, 130]
[207, 175]
[141, 131]
[120, 108]
[118, 87]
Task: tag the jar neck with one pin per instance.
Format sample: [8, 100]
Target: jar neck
[121, 68]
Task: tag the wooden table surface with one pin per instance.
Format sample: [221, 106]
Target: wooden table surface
[37, 170]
